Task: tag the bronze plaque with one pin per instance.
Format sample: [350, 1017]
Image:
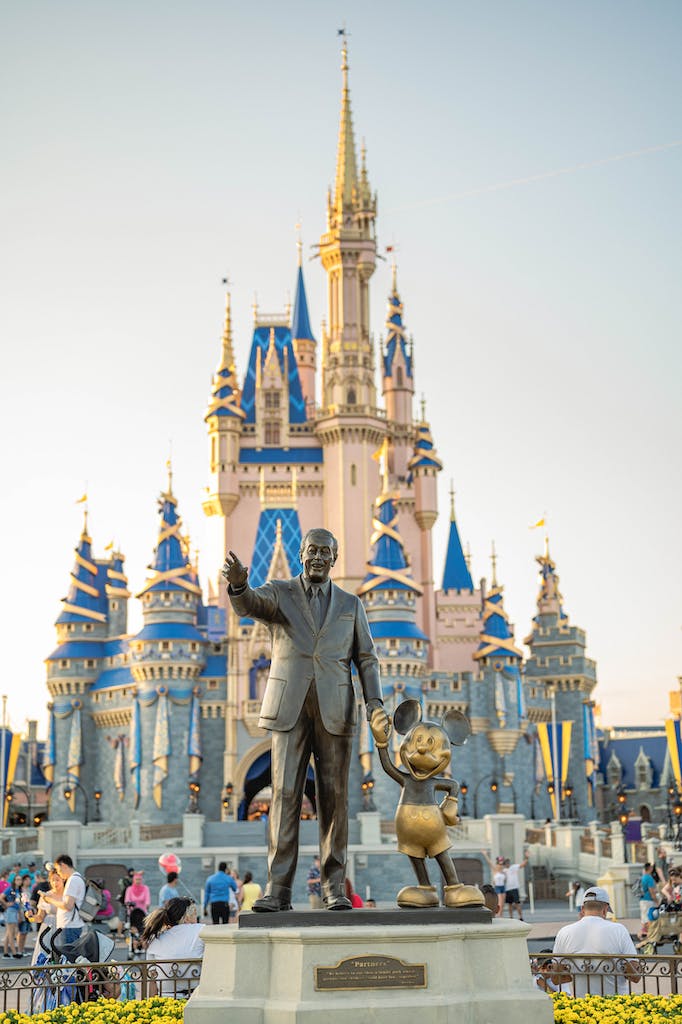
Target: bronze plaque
[370, 971]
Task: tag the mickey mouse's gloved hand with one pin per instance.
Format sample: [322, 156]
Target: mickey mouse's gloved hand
[449, 808]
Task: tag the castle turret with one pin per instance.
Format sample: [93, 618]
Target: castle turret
[224, 420]
[118, 595]
[424, 467]
[349, 425]
[398, 387]
[303, 341]
[558, 667]
[458, 607]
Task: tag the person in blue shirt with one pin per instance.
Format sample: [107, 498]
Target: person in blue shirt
[217, 894]
[648, 897]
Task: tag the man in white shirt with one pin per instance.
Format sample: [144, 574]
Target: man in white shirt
[67, 905]
[593, 936]
[512, 885]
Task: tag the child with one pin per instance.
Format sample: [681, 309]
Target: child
[11, 904]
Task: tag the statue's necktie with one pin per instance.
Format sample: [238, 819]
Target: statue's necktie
[315, 607]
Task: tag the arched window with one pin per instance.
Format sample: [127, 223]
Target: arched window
[399, 376]
[353, 475]
[351, 398]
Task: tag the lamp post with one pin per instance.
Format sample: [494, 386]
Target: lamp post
[570, 806]
[493, 789]
[677, 811]
[623, 818]
[97, 816]
[367, 790]
[69, 786]
[194, 790]
[226, 800]
[9, 797]
[464, 789]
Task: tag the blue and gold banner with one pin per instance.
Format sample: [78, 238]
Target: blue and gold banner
[136, 752]
[50, 752]
[162, 746]
[74, 757]
[119, 766]
[12, 750]
[590, 749]
[672, 732]
[555, 744]
[194, 751]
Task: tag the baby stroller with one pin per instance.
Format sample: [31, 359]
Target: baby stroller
[74, 972]
[665, 925]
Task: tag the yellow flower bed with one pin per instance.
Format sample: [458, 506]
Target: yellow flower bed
[105, 1011]
[617, 1009]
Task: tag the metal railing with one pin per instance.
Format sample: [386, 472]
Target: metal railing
[606, 975]
[37, 988]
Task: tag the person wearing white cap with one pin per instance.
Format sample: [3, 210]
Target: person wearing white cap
[592, 935]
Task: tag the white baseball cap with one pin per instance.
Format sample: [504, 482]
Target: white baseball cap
[595, 894]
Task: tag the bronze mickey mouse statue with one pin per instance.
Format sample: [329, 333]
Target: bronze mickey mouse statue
[420, 823]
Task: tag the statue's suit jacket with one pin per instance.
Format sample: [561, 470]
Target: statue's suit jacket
[300, 654]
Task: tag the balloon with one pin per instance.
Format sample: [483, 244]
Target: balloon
[170, 862]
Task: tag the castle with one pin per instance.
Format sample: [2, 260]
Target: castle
[151, 725]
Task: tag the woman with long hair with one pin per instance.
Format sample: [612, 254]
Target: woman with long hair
[171, 932]
[45, 914]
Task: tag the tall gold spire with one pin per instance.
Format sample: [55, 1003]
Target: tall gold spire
[452, 502]
[493, 560]
[346, 166]
[227, 354]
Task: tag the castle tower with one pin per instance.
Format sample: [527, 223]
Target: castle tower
[398, 387]
[83, 643]
[167, 657]
[558, 667]
[224, 419]
[118, 595]
[303, 341]
[424, 467]
[458, 607]
[389, 595]
[349, 425]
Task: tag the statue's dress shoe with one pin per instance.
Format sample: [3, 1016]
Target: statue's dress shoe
[270, 904]
[337, 903]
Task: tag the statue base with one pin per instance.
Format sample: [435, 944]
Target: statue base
[438, 973]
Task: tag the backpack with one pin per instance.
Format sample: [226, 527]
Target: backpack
[92, 902]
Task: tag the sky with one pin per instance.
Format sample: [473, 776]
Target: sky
[527, 158]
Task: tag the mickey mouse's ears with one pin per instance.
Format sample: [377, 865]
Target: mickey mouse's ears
[457, 726]
[407, 715]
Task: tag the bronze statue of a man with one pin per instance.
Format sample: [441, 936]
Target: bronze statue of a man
[317, 630]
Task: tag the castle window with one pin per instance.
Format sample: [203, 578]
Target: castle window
[212, 684]
[90, 663]
[64, 663]
[87, 628]
[272, 433]
[114, 606]
[165, 645]
[272, 399]
[353, 474]
[351, 398]
[399, 376]
[195, 647]
[455, 685]
[70, 628]
[188, 598]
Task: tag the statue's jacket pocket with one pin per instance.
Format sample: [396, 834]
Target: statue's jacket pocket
[272, 700]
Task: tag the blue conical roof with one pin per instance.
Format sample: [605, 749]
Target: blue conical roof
[456, 575]
[225, 394]
[171, 568]
[387, 568]
[85, 601]
[497, 639]
[395, 333]
[300, 323]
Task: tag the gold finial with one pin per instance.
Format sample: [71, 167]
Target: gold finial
[254, 306]
[299, 244]
[452, 501]
[547, 545]
[467, 556]
[169, 467]
[422, 403]
[493, 561]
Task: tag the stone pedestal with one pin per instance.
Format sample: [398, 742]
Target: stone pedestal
[368, 974]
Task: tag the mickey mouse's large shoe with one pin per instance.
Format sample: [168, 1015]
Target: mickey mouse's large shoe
[463, 896]
[418, 896]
